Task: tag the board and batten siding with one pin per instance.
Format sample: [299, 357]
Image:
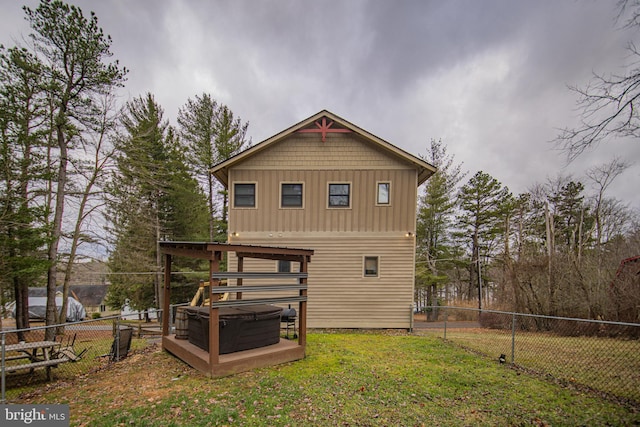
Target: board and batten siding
[363, 215]
[339, 296]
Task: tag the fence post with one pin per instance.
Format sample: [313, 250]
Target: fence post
[3, 362]
[117, 339]
[513, 338]
[446, 316]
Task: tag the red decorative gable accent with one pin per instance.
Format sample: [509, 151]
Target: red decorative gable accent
[324, 128]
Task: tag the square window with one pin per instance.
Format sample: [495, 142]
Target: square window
[284, 266]
[244, 195]
[291, 196]
[384, 190]
[371, 266]
[339, 195]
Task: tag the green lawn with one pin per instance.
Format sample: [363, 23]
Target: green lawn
[606, 364]
[347, 378]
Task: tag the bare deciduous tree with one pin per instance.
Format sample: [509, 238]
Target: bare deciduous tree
[609, 102]
[95, 158]
[602, 177]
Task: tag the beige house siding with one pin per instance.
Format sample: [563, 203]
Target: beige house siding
[307, 151]
[339, 294]
[363, 215]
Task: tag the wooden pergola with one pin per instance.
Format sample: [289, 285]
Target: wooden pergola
[212, 363]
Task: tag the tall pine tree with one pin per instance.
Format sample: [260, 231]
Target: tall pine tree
[435, 247]
[153, 198]
[74, 53]
[482, 203]
[22, 165]
[211, 134]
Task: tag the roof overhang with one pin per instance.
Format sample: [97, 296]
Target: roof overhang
[207, 250]
[221, 170]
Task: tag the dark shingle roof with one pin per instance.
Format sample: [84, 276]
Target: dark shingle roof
[88, 295]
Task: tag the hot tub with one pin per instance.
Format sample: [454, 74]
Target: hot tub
[241, 328]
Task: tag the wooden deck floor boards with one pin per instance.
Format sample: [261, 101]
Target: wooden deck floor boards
[232, 363]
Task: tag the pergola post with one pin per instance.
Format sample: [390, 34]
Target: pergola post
[302, 336]
[167, 295]
[214, 320]
[239, 280]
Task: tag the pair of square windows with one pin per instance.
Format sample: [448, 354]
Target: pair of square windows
[291, 195]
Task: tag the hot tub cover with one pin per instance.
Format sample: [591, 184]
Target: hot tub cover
[240, 328]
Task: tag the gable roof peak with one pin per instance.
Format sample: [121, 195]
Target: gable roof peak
[323, 122]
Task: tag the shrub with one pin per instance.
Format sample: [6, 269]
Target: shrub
[495, 321]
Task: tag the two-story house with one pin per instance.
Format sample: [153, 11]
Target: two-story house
[328, 185]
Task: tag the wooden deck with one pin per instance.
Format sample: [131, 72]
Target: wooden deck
[228, 364]
[211, 362]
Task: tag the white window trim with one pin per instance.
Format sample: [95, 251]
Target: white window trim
[233, 195]
[364, 260]
[378, 194]
[294, 267]
[350, 194]
[280, 194]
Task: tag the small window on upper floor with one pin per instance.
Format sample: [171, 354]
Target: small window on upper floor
[291, 195]
[371, 266]
[339, 195]
[244, 195]
[384, 194]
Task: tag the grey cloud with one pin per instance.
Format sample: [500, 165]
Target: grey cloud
[489, 77]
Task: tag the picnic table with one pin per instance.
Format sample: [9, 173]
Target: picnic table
[41, 354]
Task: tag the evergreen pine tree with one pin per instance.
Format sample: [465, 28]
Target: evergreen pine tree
[22, 216]
[73, 51]
[482, 204]
[153, 198]
[436, 206]
[211, 134]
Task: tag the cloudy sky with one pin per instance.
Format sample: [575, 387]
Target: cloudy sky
[487, 77]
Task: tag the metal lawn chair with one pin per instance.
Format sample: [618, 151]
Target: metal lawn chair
[67, 350]
[121, 344]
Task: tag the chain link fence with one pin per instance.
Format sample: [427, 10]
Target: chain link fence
[600, 356]
[29, 360]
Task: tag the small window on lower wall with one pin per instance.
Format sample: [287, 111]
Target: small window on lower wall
[371, 266]
[284, 266]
